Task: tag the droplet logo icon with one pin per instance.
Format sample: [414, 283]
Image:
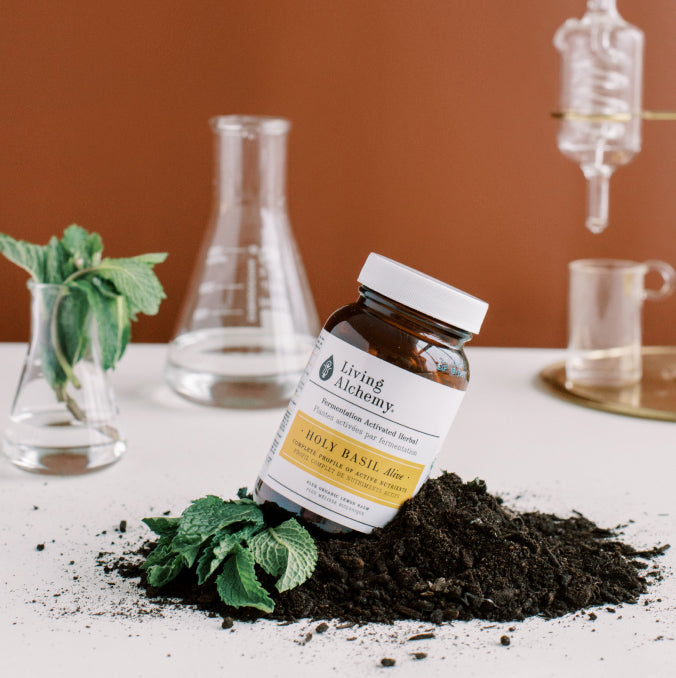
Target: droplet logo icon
[326, 369]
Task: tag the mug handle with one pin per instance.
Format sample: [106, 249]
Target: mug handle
[668, 279]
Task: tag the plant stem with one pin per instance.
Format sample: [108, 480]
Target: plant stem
[54, 332]
[79, 414]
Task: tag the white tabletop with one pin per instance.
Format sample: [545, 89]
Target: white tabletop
[538, 452]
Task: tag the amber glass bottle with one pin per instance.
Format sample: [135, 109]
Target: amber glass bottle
[375, 402]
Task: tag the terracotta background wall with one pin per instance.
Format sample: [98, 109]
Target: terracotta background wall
[421, 130]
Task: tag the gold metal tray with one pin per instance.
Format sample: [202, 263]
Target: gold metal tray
[653, 398]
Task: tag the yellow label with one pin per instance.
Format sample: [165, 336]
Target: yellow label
[349, 464]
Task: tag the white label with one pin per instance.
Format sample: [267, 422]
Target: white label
[359, 437]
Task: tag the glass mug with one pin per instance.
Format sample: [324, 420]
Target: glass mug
[604, 319]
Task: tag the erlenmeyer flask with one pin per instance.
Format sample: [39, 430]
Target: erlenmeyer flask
[249, 322]
[64, 418]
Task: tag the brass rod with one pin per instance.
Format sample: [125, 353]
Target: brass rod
[614, 117]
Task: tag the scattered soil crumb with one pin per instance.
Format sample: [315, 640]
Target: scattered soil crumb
[422, 636]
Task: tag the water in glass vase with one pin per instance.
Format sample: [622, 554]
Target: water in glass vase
[46, 442]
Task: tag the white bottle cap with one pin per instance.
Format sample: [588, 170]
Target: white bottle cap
[423, 293]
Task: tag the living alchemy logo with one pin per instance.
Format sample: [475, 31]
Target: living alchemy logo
[326, 369]
[356, 382]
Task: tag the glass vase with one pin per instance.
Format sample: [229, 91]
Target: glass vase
[64, 418]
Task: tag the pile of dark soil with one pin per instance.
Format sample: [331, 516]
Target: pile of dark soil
[452, 552]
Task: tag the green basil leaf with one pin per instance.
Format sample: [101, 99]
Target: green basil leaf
[136, 280]
[222, 544]
[165, 527]
[112, 318]
[162, 564]
[287, 551]
[238, 585]
[83, 248]
[57, 264]
[26, 255]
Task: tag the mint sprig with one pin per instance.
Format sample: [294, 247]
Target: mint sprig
[226, 540]
[114, 291]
